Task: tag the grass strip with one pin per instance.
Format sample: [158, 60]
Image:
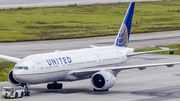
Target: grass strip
[76, 21]
[5, 67]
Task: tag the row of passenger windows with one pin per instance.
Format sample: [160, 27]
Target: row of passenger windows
[21, 67]
[26, 68]
[110, 59]
[79, 63]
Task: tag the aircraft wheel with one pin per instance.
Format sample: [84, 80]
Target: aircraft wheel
[28, 93]
[60, 86]
[22, 94]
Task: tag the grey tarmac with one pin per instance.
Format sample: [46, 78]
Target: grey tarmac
[153, 84]
[142, 40]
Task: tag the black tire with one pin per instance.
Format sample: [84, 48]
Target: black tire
[60, 86]
[28, 93]
[54, 86]
[16, 95]
[22, 95]
[48, 86]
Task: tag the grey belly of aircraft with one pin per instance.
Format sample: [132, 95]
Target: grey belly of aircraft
[41, 77]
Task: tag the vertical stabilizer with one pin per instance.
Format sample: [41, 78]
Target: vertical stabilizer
[122, 38]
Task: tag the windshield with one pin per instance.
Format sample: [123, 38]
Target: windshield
[21, 67]
[7, 89]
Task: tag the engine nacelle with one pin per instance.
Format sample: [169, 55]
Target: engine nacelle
[103, 80]
[12, 80]
[142, 68]
[170, 65]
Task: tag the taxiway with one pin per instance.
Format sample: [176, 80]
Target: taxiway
[142, 40]
[153, 84]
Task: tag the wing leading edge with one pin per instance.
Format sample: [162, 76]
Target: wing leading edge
[9, 58]
[147, 52]
[91, 71]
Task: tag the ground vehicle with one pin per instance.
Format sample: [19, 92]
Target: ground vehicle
[9, 92]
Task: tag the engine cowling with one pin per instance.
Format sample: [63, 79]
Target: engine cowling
[170, 65]
[12, 80]
[142, 68]
[102, 80]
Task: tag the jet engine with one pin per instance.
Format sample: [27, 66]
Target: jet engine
[102, 81]
[142, 68]
[170, 65]
[12, 80]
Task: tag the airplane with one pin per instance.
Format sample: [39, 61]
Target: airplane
[100, 64]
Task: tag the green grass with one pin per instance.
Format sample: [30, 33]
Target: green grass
[24, 24]
[5, 67]
[176, 52]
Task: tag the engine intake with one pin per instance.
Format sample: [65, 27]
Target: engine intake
[12, 80]
[102, 80]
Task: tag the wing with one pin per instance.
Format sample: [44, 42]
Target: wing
[90, 71]
[13, 59]
[147, 52]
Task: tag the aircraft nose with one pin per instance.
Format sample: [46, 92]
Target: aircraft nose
[19, 76]
[16, 72]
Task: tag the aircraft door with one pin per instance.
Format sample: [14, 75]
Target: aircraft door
[41, 68]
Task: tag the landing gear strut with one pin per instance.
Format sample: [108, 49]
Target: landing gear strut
[54, 85]
[26, 91]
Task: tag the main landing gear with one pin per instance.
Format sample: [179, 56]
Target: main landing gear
[26, 90]
[54, 85]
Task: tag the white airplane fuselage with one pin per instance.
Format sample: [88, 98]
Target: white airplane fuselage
[55, 66]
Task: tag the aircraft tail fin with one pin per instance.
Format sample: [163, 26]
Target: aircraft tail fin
[122, 38]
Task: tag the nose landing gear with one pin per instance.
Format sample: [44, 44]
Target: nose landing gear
[54, 85]
[26, 90]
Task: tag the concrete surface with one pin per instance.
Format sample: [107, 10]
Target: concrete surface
[153, 84]
[22, 49]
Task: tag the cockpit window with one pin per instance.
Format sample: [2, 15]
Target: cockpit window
[15, 67]
[21, 67]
